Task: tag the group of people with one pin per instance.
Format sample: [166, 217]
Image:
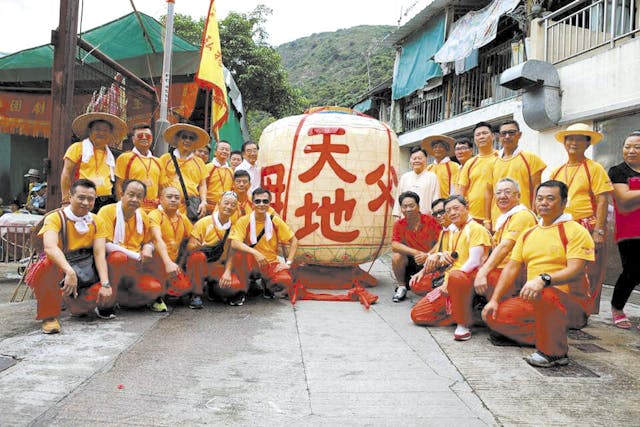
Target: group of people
[123, 234]
[486, 241]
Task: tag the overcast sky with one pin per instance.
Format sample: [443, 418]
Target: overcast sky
[28, 23]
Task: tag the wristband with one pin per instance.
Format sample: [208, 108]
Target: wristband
[105, 285]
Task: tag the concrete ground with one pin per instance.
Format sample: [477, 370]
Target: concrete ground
[315, 363]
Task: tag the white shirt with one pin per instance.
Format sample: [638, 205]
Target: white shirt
[425, 185]
[254, 173]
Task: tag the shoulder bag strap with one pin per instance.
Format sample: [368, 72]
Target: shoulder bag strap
[175, 163]
[594, 204]
[530, 182]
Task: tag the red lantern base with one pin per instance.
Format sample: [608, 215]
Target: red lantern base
[322, 277]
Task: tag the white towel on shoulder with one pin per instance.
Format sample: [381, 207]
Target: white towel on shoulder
[81, 223]
[87, 154]
[268, 228]
[119, 231]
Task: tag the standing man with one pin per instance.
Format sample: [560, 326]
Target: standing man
[235, 158]
[169, 229]
[589, 189]
[473, 177]
[469, 246]
[522, 166]
[67, 233]
[463, 150]
[258, 236]
[554, 297]
[208, 232]
[91, 158]
[140, 164]
[186, 138]
[250, 164]
[440, 147]
[219, 175]
[419, 180]
[241, 184]
[204, 153]
[413, 237]
[626, 190]
[129, 247]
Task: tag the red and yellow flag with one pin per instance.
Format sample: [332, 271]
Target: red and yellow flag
[210, 74]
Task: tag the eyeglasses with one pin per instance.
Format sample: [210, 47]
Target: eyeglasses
[261, 201]
[143, 136]
[508, 133]
[462, 148]
[188, 136]
[438, 213]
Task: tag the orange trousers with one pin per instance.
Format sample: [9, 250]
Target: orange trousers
[199, 269]
[175, 284]
[275, 274]
[543, 322]
[136, 285]
[460, 289]
[49, 296]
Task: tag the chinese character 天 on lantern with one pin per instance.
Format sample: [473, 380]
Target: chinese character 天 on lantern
[332, 174]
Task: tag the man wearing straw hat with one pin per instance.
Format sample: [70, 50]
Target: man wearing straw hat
[589, 189]
[186, 139]
[91, 158]
[440, 147]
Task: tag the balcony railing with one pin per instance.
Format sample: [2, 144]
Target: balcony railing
[462, 93]
[584, 25]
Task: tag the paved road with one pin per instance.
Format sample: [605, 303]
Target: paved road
[316, 363]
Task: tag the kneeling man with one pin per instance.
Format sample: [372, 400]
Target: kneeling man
[555, 296]
[69, 234]
[258, 236]
[211, 256]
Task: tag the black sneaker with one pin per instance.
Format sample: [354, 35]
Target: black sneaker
[105, 313]
[500, 340]
[267, 294]
[196, 302]
[237, 300]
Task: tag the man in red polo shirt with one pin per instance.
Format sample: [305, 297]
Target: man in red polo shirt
[413, 236]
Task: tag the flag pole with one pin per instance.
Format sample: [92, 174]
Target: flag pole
[162, 124]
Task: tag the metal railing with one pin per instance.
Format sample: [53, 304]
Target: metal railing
[584, 25]
[458, 94]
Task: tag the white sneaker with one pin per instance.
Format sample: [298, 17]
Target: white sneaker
[401, 293]
[462, 333]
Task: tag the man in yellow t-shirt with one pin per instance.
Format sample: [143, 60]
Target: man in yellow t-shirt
[522, 166]
[258, 236]
[440, 147]
[469, 246]
[91, 158]
[556, 295]
[223, 282]
[219, 175]
[241, 185]
[140, 164]
[169, 229]
[473, 177]
[186, 138]
[129, 247]
[67, 233]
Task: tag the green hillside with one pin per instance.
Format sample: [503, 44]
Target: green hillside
[331, 68]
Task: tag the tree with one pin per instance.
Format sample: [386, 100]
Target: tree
[255, 65]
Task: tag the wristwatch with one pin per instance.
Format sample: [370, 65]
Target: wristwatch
[105, 285]
[600, 231]
[546, 279]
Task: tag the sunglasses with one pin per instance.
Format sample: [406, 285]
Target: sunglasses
[438, 213]
[261, 201]
[189, 137]
[508, 132]
[143, 136]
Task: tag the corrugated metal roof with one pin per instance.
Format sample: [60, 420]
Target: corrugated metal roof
[418, 21]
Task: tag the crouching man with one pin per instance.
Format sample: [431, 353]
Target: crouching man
[556, 294]
[169, 229]
[258, 236]
[211, 256]
[129, 248]
[72, 235]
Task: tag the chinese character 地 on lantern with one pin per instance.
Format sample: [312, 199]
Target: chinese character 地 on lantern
[333, 177]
